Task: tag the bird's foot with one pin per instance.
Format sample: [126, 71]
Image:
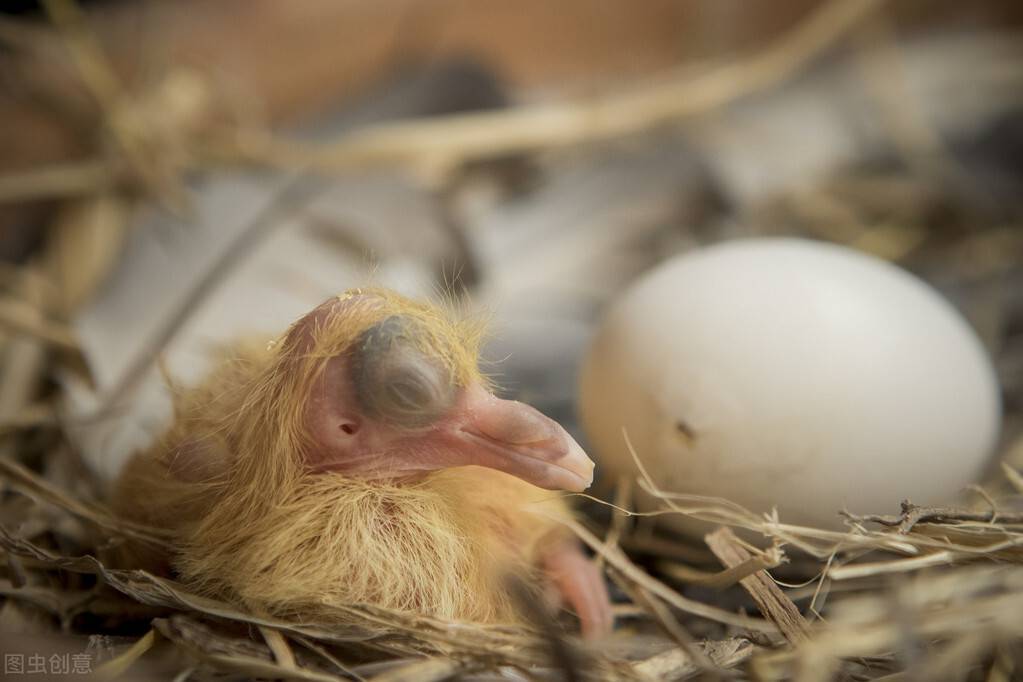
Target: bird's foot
[580, 585]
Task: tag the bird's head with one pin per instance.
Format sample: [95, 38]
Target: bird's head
[391, 389]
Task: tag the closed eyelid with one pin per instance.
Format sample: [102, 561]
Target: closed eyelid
[394, 380]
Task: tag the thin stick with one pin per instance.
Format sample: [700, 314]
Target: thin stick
[86, 53]
[1014, 477]
[441, 144]
[319, 650]
[36, 487]
[623, 500]
[912, 515]
[436, 146]
[899, 566]
[616, 558]
[729, 576]
[294, 192]
[771, 601]
[59, 181]
[279, 647]
[116, 667]
[669, 624]
[31, 416]
[25, 318]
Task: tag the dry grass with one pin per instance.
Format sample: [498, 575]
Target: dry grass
[930, 594]
[924, 594]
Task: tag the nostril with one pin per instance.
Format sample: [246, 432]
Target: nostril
[350, 429]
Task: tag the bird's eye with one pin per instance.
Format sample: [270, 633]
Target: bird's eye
[394, 381]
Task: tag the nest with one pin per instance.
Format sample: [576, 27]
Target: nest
[931, 592]
[926, 593]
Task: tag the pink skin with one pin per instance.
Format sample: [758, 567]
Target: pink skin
[580, 583]
[480, 429]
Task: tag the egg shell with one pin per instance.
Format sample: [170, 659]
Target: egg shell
[791, 374]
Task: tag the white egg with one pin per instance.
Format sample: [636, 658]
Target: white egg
[792, 374]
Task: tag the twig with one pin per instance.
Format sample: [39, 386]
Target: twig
[27, 319]
[563, 654]
[442, 144]
[436, 146]
[669, 624]
[852, 571]
[23, 360]
[69, 179]
[617, 559]
[38, 488]
[247, 665]
[294, 192]
[1014, 477]
[771, 601]
[30, 417]
[86, 53]
[425, 670]
[282, 653]
[729, 576]
[664, 549]
[118, 666]
[675, 664]
[884, 75]
[134, 138]
[623, 500]
[912, 515]
[326, 655]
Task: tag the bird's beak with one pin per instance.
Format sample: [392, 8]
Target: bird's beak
[517, 439]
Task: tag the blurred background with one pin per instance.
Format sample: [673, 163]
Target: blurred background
[175, 174]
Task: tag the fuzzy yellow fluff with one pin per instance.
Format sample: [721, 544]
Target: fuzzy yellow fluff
[252, 524]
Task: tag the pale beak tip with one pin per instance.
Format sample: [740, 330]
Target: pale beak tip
[581, 465]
